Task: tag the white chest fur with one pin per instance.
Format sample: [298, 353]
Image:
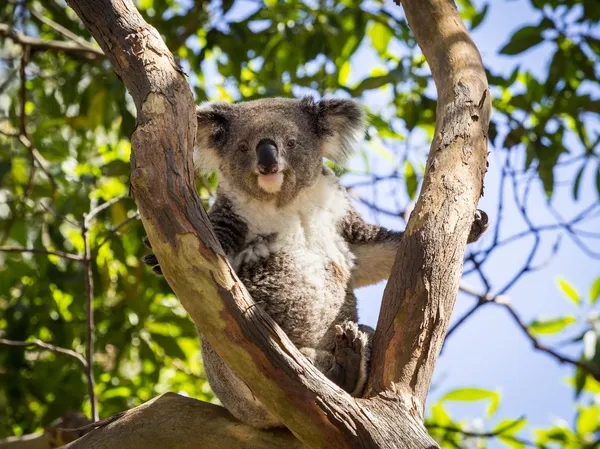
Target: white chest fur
[306, 229]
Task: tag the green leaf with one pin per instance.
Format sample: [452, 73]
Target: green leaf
[588, 420]
[478, 18]
[468, 395]
[569, 290]
[595, 291]
[579, 381]
[380, 35]
[472, 395]
[522, 40]
[169, 345]
[124, 392]
[512, 443]
[411, 180]
[577, 182]
[550, 326]
[344, 73]
[509, 426]
[440, 415]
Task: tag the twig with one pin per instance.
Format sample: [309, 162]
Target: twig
[40, 160]
[539, 346]
[96, 210]
[114, 232]
[491, 434]
[61, 29]
[34, 43]
[23, 90]
[46, 346]
[481, 300]
[89, 315]
[10, 249]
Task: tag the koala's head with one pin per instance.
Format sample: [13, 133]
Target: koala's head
[272, 148]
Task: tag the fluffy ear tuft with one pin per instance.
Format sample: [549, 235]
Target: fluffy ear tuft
[341, 124]
[213, 124]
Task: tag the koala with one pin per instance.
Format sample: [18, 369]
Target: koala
[291, 233]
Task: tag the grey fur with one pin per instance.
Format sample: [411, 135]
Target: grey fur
[299, 247]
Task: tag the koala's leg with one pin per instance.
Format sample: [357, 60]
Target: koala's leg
[348, 365]
[375, 247]
[233, 393]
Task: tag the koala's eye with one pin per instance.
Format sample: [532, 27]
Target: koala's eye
[291, 143]
[244, 148]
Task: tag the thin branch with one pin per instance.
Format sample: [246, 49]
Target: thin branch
[490, 434]
[482, 300]
[10, 249]
[539, 346]
[88, 278]
[23, 91]
[35, 43]
[68, 34]
[40, 160]
[114, 232]
[47, 347]
[464, 318]
[96, 210]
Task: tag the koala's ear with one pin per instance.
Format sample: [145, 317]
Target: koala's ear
[341, 125]
[213, 124]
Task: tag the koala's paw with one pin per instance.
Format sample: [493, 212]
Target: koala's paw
[150, 259]
[479, 226]
[352, 352]
[256, 250]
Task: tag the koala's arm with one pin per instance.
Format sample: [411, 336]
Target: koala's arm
[230, 229]
[374, 248]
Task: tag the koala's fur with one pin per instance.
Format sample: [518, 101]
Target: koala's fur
[293, 238]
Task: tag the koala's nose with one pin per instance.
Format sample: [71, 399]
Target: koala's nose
[266, 152]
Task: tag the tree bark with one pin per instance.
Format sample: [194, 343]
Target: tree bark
[420, 295]
[183, 423]
[421, 292]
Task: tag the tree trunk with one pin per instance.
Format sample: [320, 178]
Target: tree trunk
[420, 295]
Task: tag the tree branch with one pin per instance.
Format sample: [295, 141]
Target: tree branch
[88, 280]
[422, 290]
[541, 347]
[10, 249]
[46, 346]
[171, 420]
[35, 43]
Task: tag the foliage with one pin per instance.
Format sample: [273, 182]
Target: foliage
[65, 123]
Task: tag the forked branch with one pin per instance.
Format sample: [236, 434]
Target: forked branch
[319, 413]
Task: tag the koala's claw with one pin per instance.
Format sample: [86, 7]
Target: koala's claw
[151, 260]
[479, 226]
[351, 354]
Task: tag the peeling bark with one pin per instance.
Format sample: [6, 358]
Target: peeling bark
[419, 297]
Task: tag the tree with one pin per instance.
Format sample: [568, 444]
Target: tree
[89, 263]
